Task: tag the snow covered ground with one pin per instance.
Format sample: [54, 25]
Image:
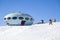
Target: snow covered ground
[34, 32]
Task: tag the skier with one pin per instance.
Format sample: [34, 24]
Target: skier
[50, 22]
[42, 21]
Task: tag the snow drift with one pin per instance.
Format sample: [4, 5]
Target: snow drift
[33, 32]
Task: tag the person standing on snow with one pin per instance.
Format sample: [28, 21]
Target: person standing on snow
[50, 22]
[42, 21]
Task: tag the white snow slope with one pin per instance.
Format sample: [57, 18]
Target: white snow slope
[34, 32]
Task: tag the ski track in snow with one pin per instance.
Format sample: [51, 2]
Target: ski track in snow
[34, 32]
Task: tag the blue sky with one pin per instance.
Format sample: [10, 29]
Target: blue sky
[38, 9]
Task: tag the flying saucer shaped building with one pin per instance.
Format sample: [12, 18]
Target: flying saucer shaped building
[17, 19]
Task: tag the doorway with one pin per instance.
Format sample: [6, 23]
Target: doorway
[23, 23]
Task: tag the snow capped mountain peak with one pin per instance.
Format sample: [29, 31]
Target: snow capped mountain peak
[33, 32]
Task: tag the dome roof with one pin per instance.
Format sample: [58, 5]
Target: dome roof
[17, 14]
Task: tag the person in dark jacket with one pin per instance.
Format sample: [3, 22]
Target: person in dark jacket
[42, 21]
[50, 22]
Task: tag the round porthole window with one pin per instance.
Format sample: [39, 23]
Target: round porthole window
[21, 18]
[27, 18]
[14, 18]
[4, 18]
[9, 18]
